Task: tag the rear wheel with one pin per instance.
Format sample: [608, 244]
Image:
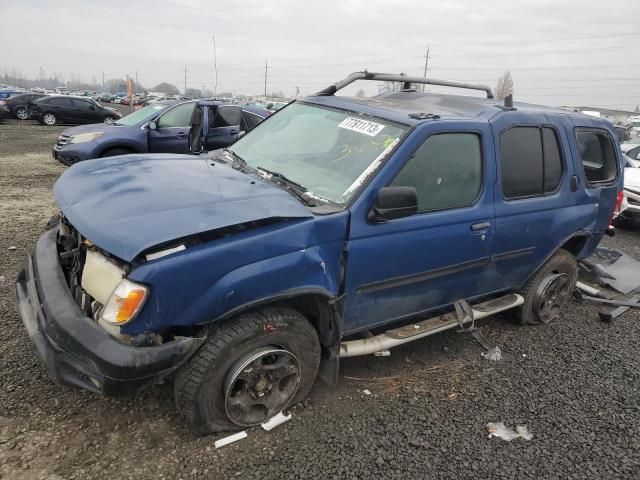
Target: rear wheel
[250, 368]
[109, 120]
[49, 119]
[549, 290]
[22, 113]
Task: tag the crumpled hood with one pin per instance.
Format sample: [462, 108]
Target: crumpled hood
[632, 178]
[130, 203]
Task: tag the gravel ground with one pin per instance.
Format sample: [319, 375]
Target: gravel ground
[574, 383]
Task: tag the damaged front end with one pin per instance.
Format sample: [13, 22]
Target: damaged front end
[64, 321]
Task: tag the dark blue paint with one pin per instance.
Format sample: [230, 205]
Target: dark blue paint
[130, 204]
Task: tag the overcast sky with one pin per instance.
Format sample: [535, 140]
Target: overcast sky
[578, 52]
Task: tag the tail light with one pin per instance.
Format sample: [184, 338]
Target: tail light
[617, 208]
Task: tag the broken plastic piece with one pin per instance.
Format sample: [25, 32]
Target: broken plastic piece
[230, 439]
[382, 353]
[276, 420]
[494, 354]
[500, 430]
[366, 392]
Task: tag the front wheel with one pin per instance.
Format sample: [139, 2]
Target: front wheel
[250, 368]
[549, 290]
[49, 119]
[22, 113]
[109, 120]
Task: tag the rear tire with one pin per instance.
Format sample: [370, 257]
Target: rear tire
[224, 388]
[49, 119]
[22, 113]
[112, 152]
[549, 290]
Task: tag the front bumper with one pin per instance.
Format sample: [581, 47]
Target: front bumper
[73, 153]
[75, 350]
[633, 203]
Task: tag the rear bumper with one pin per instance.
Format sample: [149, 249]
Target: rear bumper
[75, 350]
[633, 203]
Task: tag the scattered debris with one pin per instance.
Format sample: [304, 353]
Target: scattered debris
[494, 354]
[613, 268]
[500, 430]
[230, 439]
[366, 392]
[276, 420]
[382, 353]
[12, 247]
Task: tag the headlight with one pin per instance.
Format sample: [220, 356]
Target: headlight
[85, 137]
[125, 302]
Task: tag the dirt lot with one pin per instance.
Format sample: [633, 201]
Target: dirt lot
[574, 383]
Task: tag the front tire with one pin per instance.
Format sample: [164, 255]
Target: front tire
[109, 120]
[49, 119]
[250, 368]
[549, 290]
[22, 113]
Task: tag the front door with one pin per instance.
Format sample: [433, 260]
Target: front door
[171, 134]
[441, 254]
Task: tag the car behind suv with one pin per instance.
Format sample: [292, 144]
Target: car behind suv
[18, 105]
[243, 271]
[164, 127]
[54, 109]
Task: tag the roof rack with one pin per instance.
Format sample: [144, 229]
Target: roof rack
[391, 77]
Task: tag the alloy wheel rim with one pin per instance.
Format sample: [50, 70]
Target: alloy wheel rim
[22, 114]
[552, 294]
[108, 120]
[260, 385]
[49, 119]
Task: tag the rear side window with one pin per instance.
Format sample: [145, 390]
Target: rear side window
[63, 102]
[597, 155]
[251, 119]
[446, 171]
[531, 161]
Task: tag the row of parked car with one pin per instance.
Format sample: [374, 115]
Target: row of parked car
[338, 227]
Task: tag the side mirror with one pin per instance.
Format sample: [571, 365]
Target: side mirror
[394, 202]
[152, 125]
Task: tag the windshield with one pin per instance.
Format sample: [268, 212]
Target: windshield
[140, 115]
[328, 152]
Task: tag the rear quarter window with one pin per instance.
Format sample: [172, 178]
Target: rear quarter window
[597, 155]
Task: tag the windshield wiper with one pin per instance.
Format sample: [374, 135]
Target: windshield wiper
[239, 163]
[294, 187]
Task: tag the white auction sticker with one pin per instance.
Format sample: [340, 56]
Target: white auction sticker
[361, 126]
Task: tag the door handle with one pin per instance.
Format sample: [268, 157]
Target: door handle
[181, 134]
[480, 226]
[233, 132]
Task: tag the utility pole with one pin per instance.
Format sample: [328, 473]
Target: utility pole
[266, 67]
[215, 67]
[185, 80]
[103, 80]
[135, 85]
[426, 63]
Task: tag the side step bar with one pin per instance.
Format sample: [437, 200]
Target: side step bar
[409, 333]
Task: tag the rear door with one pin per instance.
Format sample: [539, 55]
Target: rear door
[536, 209]
[224, 126]
[172, 130]
[84, 111]
[410, 265]
[61, 107]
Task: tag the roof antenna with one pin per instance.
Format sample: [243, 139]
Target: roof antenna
[508, 101]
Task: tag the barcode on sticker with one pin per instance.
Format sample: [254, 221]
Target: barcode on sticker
[361, 126]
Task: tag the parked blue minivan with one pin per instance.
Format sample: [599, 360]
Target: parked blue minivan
[337, 227]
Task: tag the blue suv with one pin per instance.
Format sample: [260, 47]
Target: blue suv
[338, 227]
[164, 127]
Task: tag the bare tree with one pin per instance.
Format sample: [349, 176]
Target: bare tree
[360, 94]
[167, 88]
[504, 87]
